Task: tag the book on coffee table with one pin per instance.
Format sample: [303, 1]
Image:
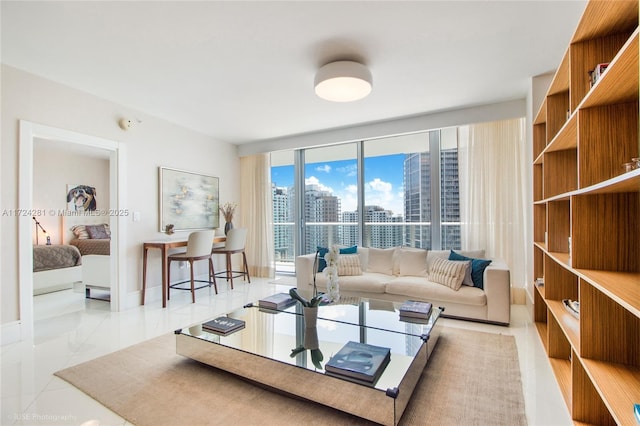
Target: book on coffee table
[415, 309]
[359, 361]
[414, 320]
[223, 325]
[276, 301]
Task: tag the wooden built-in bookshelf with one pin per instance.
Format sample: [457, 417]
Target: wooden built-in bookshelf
[586, 218]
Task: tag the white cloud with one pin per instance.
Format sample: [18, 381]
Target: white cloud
[377, 192]
[349, 171]
[326, 168]
[312, 180]
[381, 193]
[380, 186]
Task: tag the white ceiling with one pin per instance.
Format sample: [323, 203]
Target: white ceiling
[243, 71]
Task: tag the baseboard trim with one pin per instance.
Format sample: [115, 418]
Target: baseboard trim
[518, 296]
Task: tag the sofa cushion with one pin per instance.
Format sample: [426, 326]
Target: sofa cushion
[371, 282]
[363, 252]
[322, 251]
[477, 267]
[444, 254]
[381, 260]
[447, 272]
[423, 289]
[412, 262]
[349, 264]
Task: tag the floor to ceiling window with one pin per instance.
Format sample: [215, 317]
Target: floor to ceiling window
[396, 192]
[282, 189]
[330, 196]
[407, 186]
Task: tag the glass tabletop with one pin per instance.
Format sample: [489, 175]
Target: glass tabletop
[276, 334]
[371, 313]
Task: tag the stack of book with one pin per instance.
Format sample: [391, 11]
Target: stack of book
[277, 301]
[415, 309]
[223, 325]
[359, 362]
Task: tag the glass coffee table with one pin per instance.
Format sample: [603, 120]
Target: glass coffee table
[261, 353]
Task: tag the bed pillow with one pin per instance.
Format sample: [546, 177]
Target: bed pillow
[448, 272]
[97, 232]
[349, 264]
[477, 268]
[80, 231]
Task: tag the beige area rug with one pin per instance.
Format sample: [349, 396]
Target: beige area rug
[472, 378]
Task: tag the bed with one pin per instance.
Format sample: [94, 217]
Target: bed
[55, 267]
[96, 261]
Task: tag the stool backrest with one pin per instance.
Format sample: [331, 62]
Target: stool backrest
[199, 243]
[236, 239]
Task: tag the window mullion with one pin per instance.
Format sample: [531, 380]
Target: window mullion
[436, 219]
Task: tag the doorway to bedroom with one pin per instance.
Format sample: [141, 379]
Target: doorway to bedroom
[61, 172]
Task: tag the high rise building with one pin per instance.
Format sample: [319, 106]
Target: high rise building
[449, 199]
[349, 229]
[378, 232]
[282, 219]
[418, 199]
[320, 206]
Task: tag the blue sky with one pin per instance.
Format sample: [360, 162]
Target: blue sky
[383, 180]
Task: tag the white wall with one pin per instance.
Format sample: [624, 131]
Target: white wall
[150, 144]
[54, 167]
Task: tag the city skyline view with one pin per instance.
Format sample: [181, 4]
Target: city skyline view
[383, 183]
[398, 208]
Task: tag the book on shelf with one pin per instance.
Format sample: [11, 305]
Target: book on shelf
[416, 309]
[223, 325]
[359, 361]
[276, 301]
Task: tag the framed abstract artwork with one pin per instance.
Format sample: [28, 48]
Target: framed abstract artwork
[188, 201]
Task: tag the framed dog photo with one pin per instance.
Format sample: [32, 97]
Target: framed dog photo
[188, 201]
[81, 198]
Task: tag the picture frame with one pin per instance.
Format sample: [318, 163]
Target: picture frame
[189, 201]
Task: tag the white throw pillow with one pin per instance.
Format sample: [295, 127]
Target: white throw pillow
[349, 264]
[448, 272]
[467, 280]
[413, 262]
[381, 260]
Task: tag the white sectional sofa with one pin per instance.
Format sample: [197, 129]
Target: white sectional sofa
[400, 274]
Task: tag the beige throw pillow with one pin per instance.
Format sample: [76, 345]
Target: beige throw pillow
[413, 262]
[381, 260]
[448, 272]
[349, 264]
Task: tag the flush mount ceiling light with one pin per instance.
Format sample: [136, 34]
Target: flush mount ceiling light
[343, 81]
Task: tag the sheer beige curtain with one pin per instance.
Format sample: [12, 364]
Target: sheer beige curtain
[492, 192]
[256, 213]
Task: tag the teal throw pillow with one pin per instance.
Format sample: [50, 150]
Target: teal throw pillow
[477, 268]
[323, 250]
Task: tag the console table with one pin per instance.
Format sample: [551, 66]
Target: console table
[164, 246]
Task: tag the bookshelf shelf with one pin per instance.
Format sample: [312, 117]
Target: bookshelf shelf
[586, 218]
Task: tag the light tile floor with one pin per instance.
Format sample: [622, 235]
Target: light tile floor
[70, 329]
